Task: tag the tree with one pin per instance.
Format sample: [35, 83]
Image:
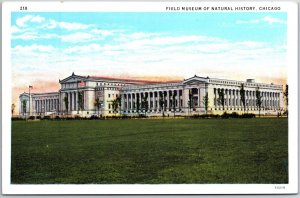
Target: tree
[258, 100]
[286, 96]
[190, 100]
[205, 102]
[66, 103]
[116, 103]
[162, 103]
[138, 104]
[97, 104]
[24, 103]
[80, 101]
[174, 101]
[13, 106]
[242, 93]
[145, 105]
[221, 99]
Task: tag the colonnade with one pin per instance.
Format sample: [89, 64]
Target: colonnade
[170, 100]
[156, 100]
[72, 98]
[46, 105]
[232, 99]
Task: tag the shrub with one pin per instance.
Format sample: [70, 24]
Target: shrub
[94, 117]
[57, 118]
[248, 115]
[17, 118]
[46, 118]
[234, 115]
[77, 117]
[31, 118]
[225, 115]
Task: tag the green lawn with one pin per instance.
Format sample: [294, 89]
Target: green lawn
[150, 151]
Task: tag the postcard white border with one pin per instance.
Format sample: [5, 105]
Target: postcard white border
[105, 6]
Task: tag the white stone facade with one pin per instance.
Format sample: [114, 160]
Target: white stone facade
[78, 96]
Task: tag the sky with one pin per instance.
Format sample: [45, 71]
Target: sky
[46, 47]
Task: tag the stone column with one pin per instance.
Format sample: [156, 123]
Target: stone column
[54, 104]
[37, 106]
[168, 100]
[178, 99]
[72, 101]
[40, 106]
[137, 100]
[149, 98]
[199, 99]
[238, 99]
[154, 100]
[233, 98]
[51, 105]
[46, 105]
[130, 102]
[122, 102]
[202, 95]
[230, 98]
[215, 97]
[157, 101]
[140, 99]
[127, 102]
[227, 98]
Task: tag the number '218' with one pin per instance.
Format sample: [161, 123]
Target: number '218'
[23, 7]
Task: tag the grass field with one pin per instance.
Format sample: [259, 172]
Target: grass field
[150, 151]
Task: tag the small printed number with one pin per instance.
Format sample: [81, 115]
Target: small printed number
[23, 7]
[279, 187]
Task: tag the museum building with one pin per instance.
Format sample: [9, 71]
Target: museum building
[88, 95]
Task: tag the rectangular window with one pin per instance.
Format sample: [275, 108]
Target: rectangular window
[109, 95]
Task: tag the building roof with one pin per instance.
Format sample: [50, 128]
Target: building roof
[121, 80]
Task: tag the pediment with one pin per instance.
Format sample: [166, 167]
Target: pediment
[196, 80]
[73, 78]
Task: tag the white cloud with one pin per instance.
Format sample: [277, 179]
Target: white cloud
[34, 36]
[51, 24]
[22, 22]
[73, 26]
[103, 32]
[254, 21]
[266, 19]
[77, 37]
[15, 29]
[83, 49]
[37, 19]
[32, 48]
[272, 20]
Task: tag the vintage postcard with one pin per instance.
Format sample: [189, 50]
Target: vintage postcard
[150, 97]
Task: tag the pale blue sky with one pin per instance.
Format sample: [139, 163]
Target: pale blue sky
[231, 26]
[234, 45]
